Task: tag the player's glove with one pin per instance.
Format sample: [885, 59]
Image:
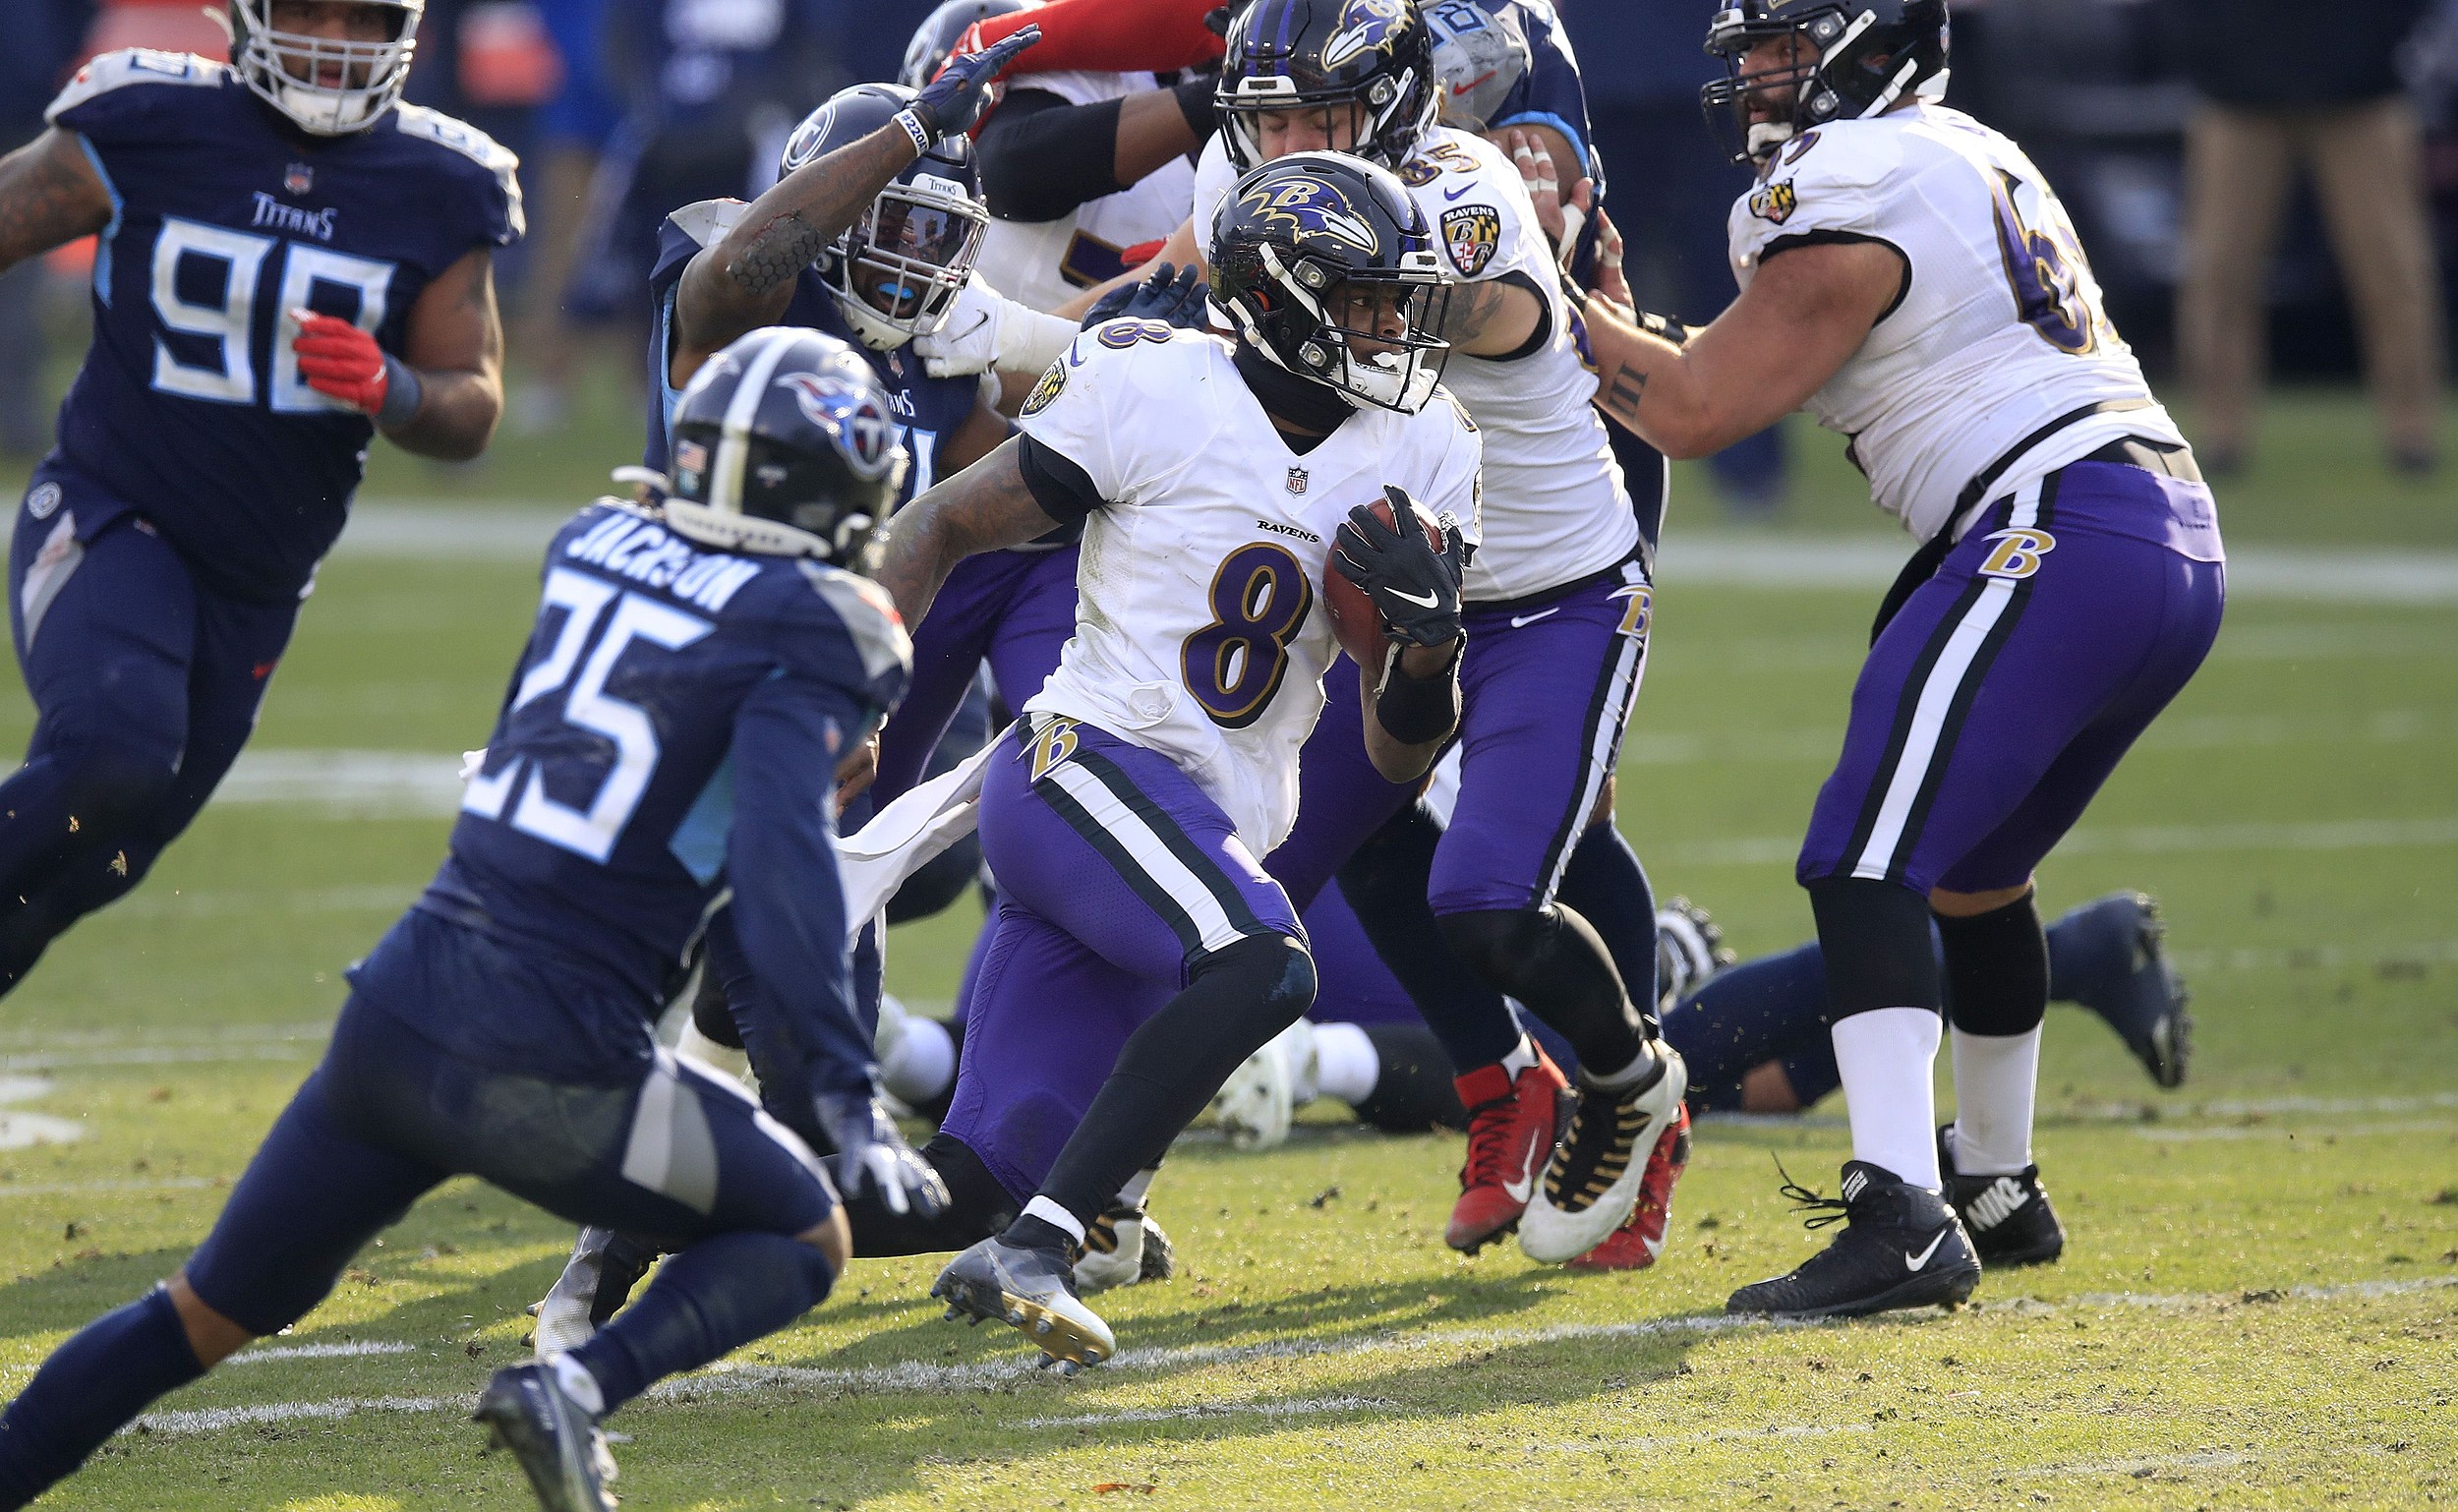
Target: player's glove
[870, 1151]
[1415, 588]
[343, 362]
[987, 329]
[1174, 296]
[951, 103]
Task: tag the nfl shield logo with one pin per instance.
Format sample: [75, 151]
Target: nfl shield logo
[1297, 480]
[298, 178]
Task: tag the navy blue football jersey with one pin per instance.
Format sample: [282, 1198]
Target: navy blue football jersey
[927, 407]
[673, 729]
[189, 409]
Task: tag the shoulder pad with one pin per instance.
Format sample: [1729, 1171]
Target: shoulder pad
[1843, 155]
[869, 616]
[460, 137]
[708, 220]
[133, 66]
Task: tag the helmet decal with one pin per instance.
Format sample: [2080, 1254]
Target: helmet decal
[847, 410]
[1306, 206]
[1365, 25]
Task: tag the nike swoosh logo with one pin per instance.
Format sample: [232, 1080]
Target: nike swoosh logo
[1912, 1262]
[1429, 601]
[1460, 89]
[1521, 622]
[1520, 1190]
[1449, 194]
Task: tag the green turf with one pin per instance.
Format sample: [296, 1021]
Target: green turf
[2256, 1309]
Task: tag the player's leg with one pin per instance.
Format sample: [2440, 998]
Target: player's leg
[1547, 692]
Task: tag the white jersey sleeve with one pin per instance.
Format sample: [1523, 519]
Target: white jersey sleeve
[1069, 411]
[1826, 186]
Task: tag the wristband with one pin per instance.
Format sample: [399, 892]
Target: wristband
[1415, 709]
[911, 120]
[403, 393]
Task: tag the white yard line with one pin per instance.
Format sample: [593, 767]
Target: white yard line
[727, 1380]
[350, 1351]
[1303, 1406]
[87, 1189]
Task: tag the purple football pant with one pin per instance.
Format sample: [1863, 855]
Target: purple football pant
[1352, 984]
[1996, 702]
[1116, 874]
[1014, 609]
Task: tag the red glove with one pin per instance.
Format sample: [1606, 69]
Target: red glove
[341, 361]
[1108, 37]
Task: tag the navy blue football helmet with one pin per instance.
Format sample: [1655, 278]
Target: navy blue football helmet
[1325, 266]
[1856, 58]
[785, 443]
[1374, 56]
[896, 271]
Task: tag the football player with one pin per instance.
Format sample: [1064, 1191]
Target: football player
[690, 668]
[1909, 276]
[1125, 814]
[291, 262]
[1557, 639]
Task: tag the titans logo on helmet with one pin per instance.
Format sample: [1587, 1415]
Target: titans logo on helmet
[1365, 26]
[847, 412]
[1307, 207]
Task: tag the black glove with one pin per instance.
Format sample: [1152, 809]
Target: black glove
[955, 99]
[1415, 588]
[1173, 296]
[869, 1149]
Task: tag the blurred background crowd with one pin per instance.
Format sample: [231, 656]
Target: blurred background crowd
[2268, 189]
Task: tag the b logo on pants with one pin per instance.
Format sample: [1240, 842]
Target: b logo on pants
[2017, 553]
[1054, 744]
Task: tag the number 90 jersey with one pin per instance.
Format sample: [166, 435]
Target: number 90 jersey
[1199, 627]
[1999, 331]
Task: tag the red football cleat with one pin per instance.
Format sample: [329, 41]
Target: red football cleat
[1641, 1237]
[1513, 1124]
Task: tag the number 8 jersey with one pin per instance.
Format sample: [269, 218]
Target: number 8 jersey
[1199, 628]
[1998, 334]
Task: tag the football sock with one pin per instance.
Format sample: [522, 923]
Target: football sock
[1996, 1079]
[1609, 888]
[91, 1388]
[1887, 1056]
[704, 1302]
[1550, 960]
[921, 1066]
[1385, 884]
[1238, 999]
[1414, 1092]
[1138, 1187]
[1347, 1065]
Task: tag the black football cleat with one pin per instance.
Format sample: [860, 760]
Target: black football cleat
[2145, 1000]
[1903, 1247]
[1031, 1290]
[2008, 1217]
[558, 1444]
[1689, 948]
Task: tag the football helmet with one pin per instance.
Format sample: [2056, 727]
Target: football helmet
[896, 271]
[1856, 59]
[1325, 266]
[283, 68]
[1373, 55]
[935, 39]
[1479, 57]
[785, 444]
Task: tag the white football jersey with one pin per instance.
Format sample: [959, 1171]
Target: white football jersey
[1043, 263]
[1199, 627]
[1556, 509]
[2001, 333]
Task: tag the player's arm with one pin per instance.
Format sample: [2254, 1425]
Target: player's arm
[989, 506]
[51, 194]
[976, 438]
[440, 399]
[1043, 157]
[1491, 316]
[1801, 319]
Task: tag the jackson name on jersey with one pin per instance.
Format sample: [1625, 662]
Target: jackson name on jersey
[1198, 627]
[1555, 509]
[1999, 331]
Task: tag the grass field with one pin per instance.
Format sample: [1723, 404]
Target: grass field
[2258, 1306]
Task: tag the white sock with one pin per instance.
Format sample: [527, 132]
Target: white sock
[1996, 1079]
[921, 1063]
[1346, 1063]
[1050, 1212]
[724, 1058]
[1522, 1056]
[1132, 1194]
[1887, 1057]
[578, 1384]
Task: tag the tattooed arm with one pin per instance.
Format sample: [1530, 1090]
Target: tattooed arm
[1800, 320]
[1492, 316]
[455, 343]
[745, 280]
[986, 507]
[49, 195]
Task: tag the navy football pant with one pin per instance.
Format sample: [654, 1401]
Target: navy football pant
[146, 685]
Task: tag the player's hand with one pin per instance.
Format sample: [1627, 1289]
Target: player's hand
[1174, 296]
[856, 770]
[969, 340]
[341, 362]
[1560, 215]
[1609, 281]
[951, 103]
[1414, 588]
[871, 1152]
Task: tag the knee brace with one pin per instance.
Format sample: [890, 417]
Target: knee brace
[1995, 968]
[1496, 944]
[1874, 936]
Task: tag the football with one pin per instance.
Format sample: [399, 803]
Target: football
[1354, 618]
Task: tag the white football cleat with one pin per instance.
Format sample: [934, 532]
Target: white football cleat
[1593, 1180]
[1257, 1103]
[1122, 1247]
